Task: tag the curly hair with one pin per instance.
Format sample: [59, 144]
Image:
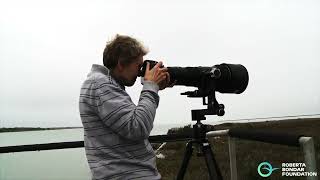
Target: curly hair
[123, 49]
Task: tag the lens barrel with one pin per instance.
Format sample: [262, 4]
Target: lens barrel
[224, 78]
[234, 78]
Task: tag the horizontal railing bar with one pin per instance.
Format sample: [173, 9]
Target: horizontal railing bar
[266, 136]
[249, 134]
[260, 135]
[79, 144]
[218, 133]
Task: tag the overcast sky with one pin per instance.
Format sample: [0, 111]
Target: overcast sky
[47, 49]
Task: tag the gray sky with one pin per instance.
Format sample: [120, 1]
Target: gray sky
[47, 48]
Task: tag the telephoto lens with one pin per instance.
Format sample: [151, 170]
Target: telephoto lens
[225, 78]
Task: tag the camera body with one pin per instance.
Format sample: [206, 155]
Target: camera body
[144, 67]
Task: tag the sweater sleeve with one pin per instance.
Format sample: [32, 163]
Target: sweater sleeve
[122, 116]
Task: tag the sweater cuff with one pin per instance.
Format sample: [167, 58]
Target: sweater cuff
[150, 86]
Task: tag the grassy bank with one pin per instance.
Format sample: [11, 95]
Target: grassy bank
[249, 153]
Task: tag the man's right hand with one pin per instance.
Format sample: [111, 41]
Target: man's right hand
[158, 75]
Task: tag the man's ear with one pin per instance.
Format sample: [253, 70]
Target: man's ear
[119, 66]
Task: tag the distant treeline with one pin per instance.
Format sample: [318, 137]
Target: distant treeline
[19, 129]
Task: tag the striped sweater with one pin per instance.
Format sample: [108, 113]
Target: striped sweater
[116, 130]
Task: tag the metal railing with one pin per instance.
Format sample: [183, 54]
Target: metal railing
[306, 143]
[80, 144]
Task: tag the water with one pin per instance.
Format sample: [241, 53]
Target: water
[64, 164]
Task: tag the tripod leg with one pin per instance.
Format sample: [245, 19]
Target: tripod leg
[212, 165]
[186, 158]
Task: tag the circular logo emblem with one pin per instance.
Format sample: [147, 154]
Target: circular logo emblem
[267, 169]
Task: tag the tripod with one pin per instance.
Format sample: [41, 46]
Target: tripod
[199, 136]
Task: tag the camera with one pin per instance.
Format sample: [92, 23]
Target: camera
[224, 78]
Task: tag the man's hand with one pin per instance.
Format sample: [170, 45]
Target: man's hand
[158, 75]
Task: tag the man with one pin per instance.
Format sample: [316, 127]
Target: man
[116, 130]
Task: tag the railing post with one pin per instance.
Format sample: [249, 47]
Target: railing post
[232, 157]
[309, 155]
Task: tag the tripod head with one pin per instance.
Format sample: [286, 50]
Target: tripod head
[207, 93]
[213, 107]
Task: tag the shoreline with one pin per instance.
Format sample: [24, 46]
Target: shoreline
[23, 129]
[225, 125]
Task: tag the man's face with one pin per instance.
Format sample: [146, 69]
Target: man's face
[130, 72]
